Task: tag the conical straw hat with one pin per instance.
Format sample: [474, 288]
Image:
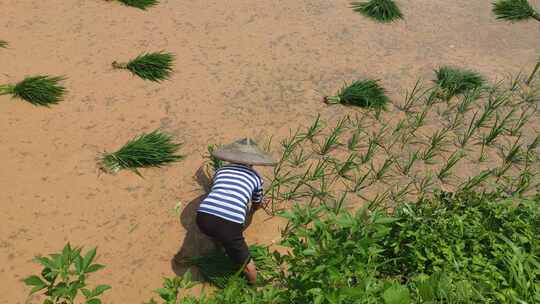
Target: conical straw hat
[244, 151]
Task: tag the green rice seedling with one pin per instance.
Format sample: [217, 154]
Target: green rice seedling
[418, 120]
[372, 148]
[405, 169]
[474, 181]
[533, 73]
[354, 142]
[497, 129]
[360, 180]
[215, 163]
[332, 141]
[514, 10]
[464, 138]
[446, 171]
[469, 98]
[154, 149]
[516, 127]
[424, 184]
[140, 4]
[398, 193]
[299, 158]
[412, 98]
[3, 44]
[314, 129]
[151, 66]
[524, 183]
[343, 169]
[514, 155]
[382, 172]
[37, 90]
[380, 10]
[436, 145]
[377, 203]
[400, 126]
[320, 170]
[454, 81]
[361, 93]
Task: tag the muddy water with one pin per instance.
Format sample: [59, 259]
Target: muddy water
[243, 68]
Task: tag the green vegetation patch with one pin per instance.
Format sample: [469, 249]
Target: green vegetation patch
[362, 93]
[380, 10]
[514, 10]
[37, 90]
[141, 4]
[454, 81]
[152, 66]
[154, 149]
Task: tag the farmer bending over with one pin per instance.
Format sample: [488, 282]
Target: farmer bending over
[222, 214]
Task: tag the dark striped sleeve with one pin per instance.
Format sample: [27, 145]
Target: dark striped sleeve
[257, 197]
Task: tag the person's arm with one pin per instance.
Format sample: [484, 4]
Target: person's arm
[257, 199]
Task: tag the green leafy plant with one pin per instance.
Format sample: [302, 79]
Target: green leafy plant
[362, 93]
[514, 10]
[215, 163]
[151, 66]
[37, 90]
[380, 10]
[455, 81]
[64, 277]
[170, 292]
[3, 44]
[141, 4]
[154, 149]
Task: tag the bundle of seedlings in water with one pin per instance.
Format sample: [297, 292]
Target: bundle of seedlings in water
[37, 90]
[3, 44]
[155, 149]
[141, 4]
[380, 10]
[361, 93]
[515, 10]
[151, 66]
[455, 81]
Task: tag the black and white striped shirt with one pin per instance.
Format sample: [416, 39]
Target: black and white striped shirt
[233, 187]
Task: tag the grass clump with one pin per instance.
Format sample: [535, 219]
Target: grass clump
[362, 93]
[37, 90]
[3, 44]
[380, 10]
[154, 149]
[151, 66]
[140, 4]
[514, 10]
[454, 81]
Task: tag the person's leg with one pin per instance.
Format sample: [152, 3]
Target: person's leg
[251, 272]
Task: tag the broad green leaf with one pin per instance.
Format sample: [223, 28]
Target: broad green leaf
[94, 268]
[89, 258]
[93, 301]
[45, 262]
[34, 281]
[48, 274]
[165, 294]
[386, 220]
[79, 265]
[87, 293]
[100, 289]
[396, 294]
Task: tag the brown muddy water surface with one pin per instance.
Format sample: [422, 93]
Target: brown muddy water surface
[243, 68]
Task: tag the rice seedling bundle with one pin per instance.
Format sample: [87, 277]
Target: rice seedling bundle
[37, 90]
[141, 4]
[454, 81]
[151, 66]
[380, 10]
[154, 149]
[362, 93]
[515, 10]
